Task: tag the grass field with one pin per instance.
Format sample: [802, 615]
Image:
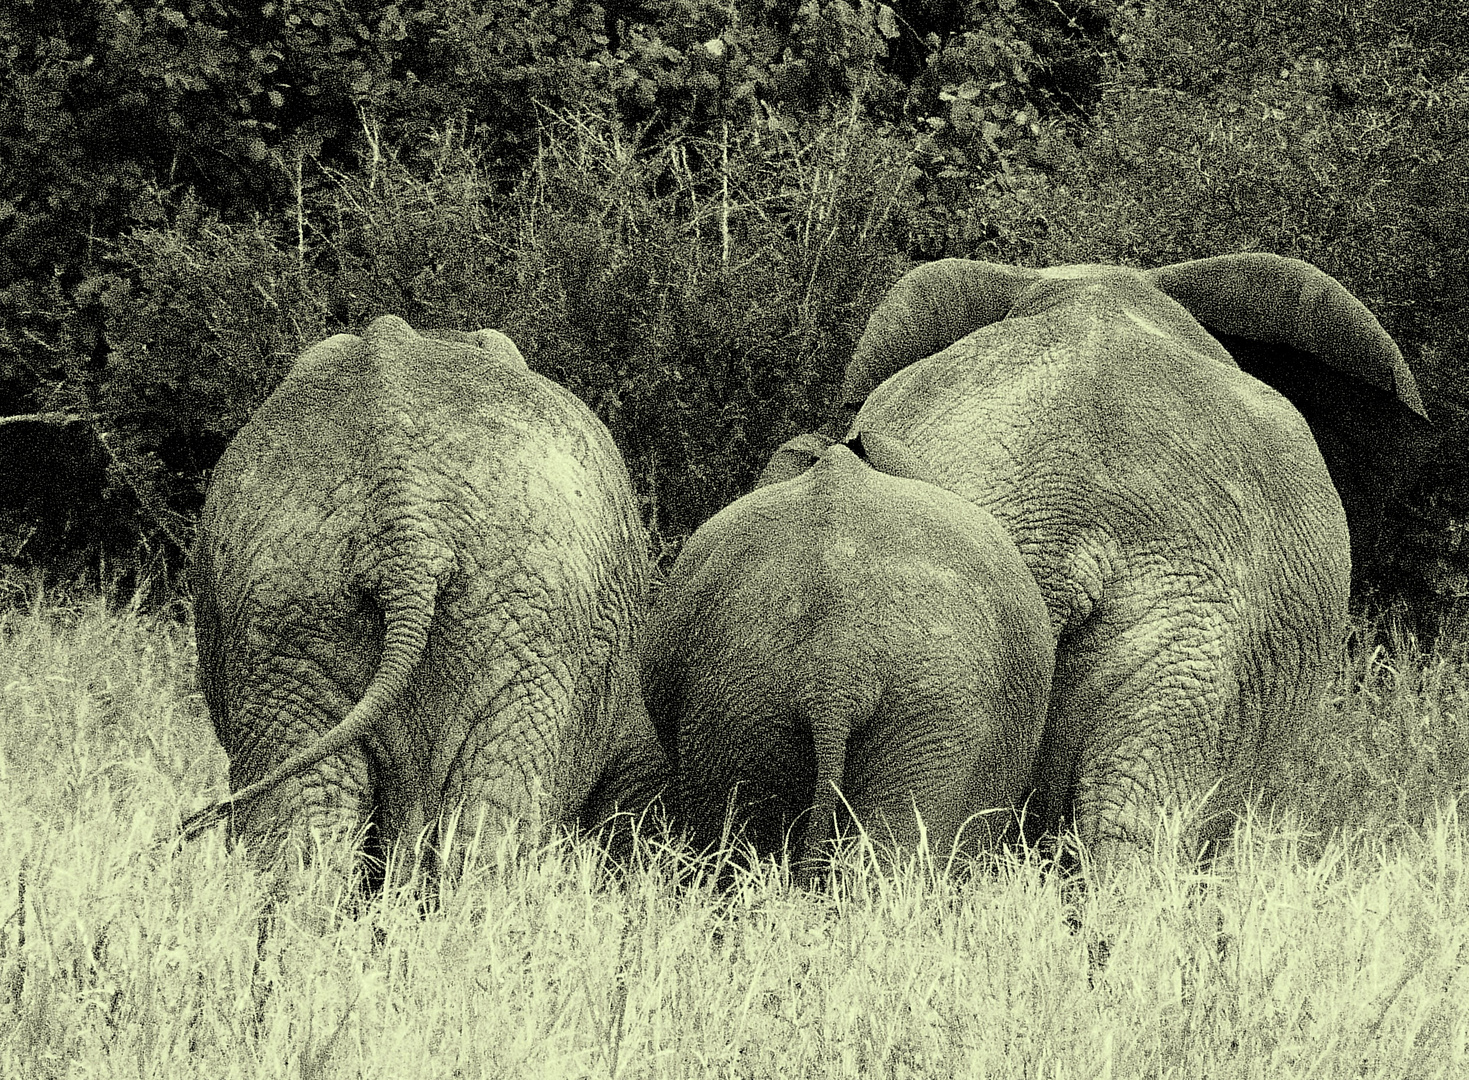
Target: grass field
[1331, 943]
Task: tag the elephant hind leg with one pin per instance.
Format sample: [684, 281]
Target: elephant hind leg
[1118, 810]
[317, 817]
[499, 791]
[1148, 726]
[948, 790]
[498, 768]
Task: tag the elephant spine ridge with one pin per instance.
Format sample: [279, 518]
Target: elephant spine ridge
[420, 560]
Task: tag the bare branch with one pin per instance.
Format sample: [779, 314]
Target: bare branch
[59, 419]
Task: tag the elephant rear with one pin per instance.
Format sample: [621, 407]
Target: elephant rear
[1177, 513]
[849, 639]
[420, 571]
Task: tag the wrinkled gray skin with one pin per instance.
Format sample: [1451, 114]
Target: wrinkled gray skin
[418, 579]
[843, 629]
[1175, 511]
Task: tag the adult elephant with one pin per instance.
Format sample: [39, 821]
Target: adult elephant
[418, 580]
[1174, 510]
[849, 638]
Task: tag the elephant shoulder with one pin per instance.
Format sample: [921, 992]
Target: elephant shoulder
[311, 413]
[326, 357]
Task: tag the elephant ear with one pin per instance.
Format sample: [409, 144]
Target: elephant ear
[1279, 301]
[794, 457]
[930, 308]
[1297, 329]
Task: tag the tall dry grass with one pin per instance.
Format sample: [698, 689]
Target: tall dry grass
[1330, 942]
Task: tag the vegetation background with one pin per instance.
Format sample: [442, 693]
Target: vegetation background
[682, 209]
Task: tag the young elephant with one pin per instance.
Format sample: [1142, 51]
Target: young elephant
[418, 578]
[849, 638]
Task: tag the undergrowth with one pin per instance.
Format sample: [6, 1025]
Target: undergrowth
[1330, 940]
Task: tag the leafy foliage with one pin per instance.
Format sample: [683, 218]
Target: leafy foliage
[684, 209]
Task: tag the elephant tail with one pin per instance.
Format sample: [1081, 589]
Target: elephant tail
[408, 611]
[835, 707]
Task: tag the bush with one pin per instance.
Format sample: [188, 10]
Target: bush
[701, 297]
[685, 210]
[1390, 745]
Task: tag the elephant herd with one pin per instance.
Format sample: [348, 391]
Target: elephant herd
[1063, 562]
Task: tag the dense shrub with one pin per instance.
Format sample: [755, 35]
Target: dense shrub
[684, 210]
[701, 298]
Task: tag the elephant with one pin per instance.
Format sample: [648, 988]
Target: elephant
[848, 640]
[419, 579]
[1174, 510]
